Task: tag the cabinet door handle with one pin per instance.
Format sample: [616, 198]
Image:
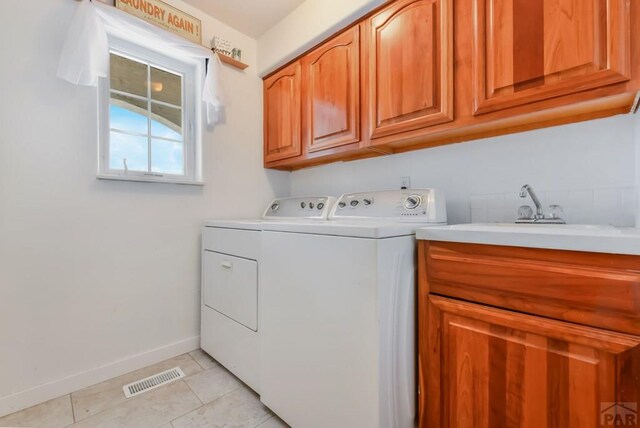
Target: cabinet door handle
[226, 264]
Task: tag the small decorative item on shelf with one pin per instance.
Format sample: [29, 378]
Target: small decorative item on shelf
[228, 55]
[221, 46]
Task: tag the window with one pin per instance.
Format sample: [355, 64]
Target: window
[149, 127]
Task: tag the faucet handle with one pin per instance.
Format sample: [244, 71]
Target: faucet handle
[525, 212]
[555, 212]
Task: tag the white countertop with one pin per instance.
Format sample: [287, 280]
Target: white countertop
[591, 238]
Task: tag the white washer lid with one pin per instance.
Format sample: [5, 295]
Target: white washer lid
[354, 229]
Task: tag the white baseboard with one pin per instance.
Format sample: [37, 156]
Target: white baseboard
[40, 394]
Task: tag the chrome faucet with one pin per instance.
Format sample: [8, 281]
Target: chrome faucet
[539, 217]
[527, 189]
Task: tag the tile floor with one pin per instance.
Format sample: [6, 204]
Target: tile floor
[209, 396]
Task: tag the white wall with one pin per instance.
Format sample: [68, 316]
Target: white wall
[98, 277]
[306, 26]
[578, 157]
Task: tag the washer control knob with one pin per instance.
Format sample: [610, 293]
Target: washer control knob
[311, 205]
[342, 204]
[412, 202]
[354, 203]
[275, 206]
[367, 201]
[303, 205]
[320, 205]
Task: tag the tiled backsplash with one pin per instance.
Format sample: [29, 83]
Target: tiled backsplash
[616, 206]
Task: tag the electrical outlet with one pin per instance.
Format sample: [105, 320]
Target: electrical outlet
[405, 182]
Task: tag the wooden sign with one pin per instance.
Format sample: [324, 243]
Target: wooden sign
[166, 16]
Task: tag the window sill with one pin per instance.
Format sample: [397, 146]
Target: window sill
[149, 179]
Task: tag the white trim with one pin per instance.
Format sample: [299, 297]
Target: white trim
[192, 73]
[144, 179]
[40, 394]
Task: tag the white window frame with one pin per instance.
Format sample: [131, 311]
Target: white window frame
[192, 72]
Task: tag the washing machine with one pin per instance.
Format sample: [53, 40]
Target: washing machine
[339, 312]
[230, 300]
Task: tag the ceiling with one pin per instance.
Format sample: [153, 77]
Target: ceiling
[252, 17]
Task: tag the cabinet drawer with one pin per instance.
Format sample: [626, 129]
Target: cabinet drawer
[600, 290]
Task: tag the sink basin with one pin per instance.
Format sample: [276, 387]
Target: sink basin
[552, 226]
[538, 228]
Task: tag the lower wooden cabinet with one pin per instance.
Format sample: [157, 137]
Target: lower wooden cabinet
[484, 366]
[488, 367]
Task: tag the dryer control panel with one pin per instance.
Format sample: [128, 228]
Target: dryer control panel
[410, 205]
[310, 207]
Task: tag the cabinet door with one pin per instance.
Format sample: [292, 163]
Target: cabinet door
[283, 114]
[410, 72]
[332, 79]
[485, 367]
[531, 50]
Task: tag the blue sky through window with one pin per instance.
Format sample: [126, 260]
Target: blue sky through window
[166, 156]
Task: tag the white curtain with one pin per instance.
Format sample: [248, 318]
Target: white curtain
[85, 55]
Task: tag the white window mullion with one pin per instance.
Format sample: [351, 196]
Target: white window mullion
[185, 125]
[149, 115]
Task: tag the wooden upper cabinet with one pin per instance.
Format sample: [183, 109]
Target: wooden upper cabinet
[332, 92]
[410, 66]
[420, 73]
[531, 50]
[492, 368]
[283, 114]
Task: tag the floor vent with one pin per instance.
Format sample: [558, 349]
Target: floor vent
[152, 382]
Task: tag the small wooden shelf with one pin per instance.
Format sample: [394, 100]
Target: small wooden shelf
[232, 62]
